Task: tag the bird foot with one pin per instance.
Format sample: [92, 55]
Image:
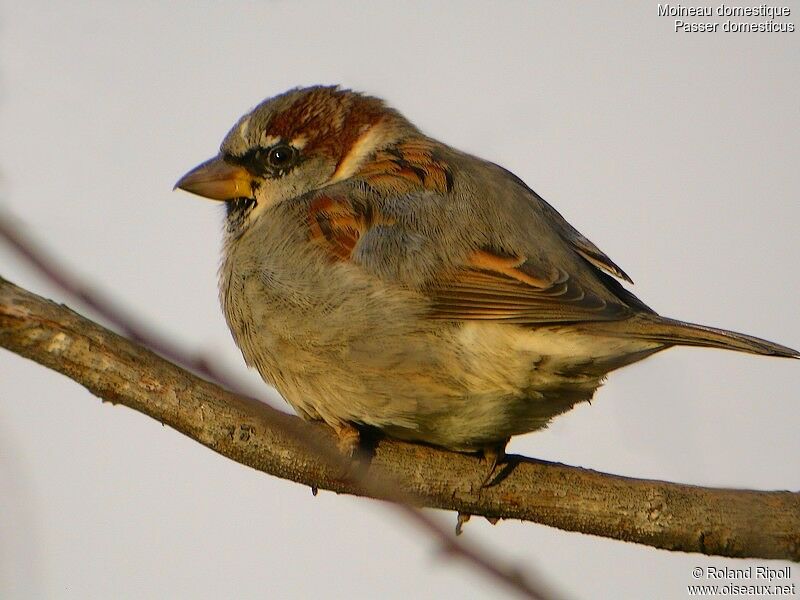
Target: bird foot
[348, 442]
[348, 439]
[462, 518]
[493, 456]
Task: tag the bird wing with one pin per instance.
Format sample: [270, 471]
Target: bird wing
[580, 243]
[374, 227]
[496, 287]
[488, 285]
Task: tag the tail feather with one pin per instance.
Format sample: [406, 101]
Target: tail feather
[674, 332]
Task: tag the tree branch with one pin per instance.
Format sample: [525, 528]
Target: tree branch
[724, 522]
[371, 485]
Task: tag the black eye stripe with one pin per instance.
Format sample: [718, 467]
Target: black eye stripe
[267, 162]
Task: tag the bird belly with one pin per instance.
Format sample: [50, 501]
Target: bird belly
[370, 357]
[505, 380]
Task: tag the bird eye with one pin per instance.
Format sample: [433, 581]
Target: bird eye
[281, 156]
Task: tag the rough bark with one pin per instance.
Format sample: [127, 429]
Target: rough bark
[723, 522]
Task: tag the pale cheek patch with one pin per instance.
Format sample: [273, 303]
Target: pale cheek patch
[270, 192]
[367, 143]
[260, 207]
[264, 199]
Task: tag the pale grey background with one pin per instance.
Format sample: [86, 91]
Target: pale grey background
[677, 154]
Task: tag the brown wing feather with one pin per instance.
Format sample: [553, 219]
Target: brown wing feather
[408, 166]
[490, 285]
[494, 287]
[336, 224]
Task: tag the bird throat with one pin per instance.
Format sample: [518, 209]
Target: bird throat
[237, 211]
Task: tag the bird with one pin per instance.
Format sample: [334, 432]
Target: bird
[382, 280]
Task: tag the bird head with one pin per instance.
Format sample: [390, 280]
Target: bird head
[292, 144]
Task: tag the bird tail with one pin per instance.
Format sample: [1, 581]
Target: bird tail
[672, 332]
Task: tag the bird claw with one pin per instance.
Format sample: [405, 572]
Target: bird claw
[462, 518]
[348, 439]
[348, 442]
[494, 455]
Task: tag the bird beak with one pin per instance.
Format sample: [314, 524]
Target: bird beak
[217, 180]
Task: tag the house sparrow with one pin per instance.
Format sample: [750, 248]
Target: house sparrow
[379, 278]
